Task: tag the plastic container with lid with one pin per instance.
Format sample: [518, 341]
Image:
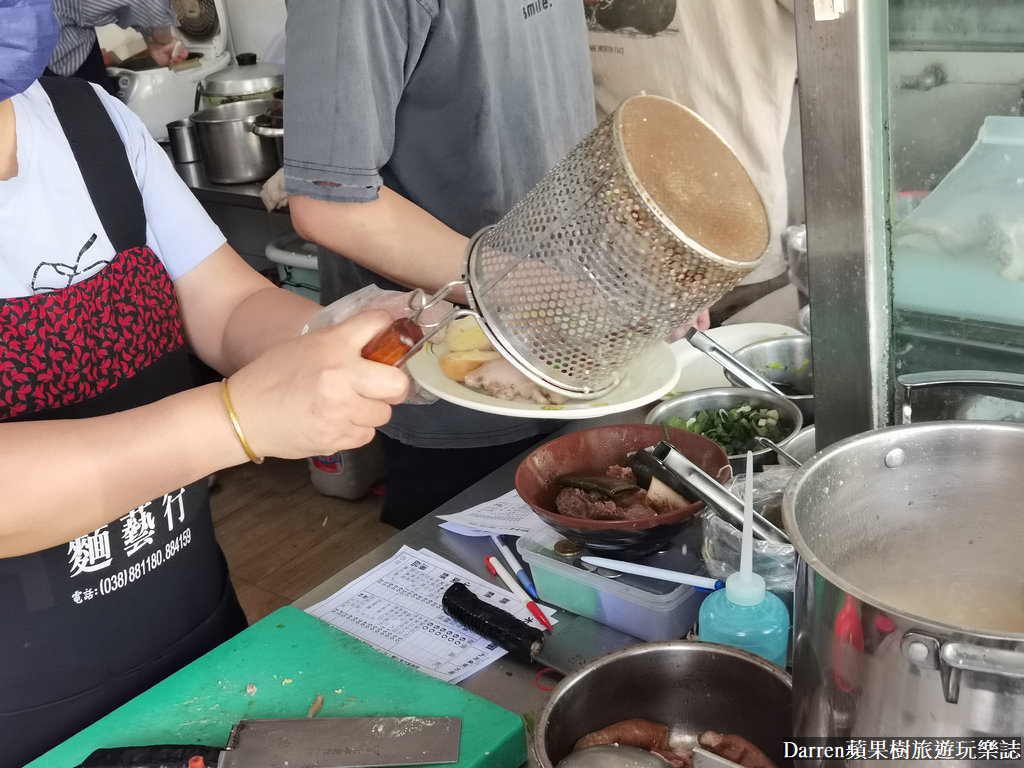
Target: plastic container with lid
[649, 609]
[349, 474]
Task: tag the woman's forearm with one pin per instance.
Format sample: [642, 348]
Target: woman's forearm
[62, 479]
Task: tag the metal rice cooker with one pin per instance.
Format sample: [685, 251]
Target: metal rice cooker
[909, 603]
[231, 153]
[248, 79]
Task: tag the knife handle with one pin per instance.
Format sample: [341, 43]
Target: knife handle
[518, 638]
[154, 756]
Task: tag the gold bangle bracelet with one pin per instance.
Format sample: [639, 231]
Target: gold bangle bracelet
[234, 423]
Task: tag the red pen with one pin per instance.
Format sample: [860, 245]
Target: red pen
[499, 570]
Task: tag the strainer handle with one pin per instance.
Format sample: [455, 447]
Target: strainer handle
[405, 336]
[392, 344]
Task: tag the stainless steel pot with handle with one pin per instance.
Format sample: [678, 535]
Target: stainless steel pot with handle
[230, 151]
[917, 530]
[270, 125]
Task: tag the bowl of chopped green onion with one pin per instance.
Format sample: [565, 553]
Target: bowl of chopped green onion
[733, 417]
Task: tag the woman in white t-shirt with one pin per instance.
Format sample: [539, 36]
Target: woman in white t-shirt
[110, 275]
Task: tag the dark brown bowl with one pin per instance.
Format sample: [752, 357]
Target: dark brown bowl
[592, 451]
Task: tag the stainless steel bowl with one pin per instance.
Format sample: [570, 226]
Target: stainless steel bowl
[803, 318]
[786, 362]
[692, 403]
[691, 687]
[802, 445]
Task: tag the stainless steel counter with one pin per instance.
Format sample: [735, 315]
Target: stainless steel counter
[244, 195]
[507, 682]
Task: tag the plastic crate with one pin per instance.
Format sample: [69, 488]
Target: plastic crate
[649, 609]
[296, 261]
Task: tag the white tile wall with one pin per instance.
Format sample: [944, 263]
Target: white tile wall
[255, 25]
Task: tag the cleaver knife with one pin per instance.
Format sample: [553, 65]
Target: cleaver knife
[326, 742]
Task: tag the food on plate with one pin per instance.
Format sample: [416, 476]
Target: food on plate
[617, 498]
[455, 365]
[656, 737]
[470, 359]
[735, 429]
[499, 378]
[465, 335]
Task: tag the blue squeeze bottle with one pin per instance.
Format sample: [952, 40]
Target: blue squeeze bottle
[745, 614]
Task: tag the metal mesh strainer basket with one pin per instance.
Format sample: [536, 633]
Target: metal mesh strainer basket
[650, 219]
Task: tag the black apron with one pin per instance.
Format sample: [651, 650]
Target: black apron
[87, 625]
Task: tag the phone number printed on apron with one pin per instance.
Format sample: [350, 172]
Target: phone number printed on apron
[139, 529]
[136, 571]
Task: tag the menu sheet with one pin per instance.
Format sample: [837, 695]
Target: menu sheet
[507, 514]
[396, 608]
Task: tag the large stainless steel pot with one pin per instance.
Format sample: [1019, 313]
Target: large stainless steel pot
[917, 528]
[244, 81]
[230, 151]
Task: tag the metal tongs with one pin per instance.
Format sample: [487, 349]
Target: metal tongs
[725, 358]
[673, 468]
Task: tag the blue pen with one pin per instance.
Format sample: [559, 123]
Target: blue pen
[515, 565]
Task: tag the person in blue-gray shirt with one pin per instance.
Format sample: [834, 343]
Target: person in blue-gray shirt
[412, 124]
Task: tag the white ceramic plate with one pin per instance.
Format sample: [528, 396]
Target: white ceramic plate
[650, 377]
[698, 371]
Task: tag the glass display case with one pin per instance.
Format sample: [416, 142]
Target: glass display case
[913, 144]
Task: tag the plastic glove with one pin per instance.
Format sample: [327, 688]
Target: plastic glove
[272, 192]
[396, 304]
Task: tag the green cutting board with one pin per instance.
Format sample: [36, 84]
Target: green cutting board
[290, 657]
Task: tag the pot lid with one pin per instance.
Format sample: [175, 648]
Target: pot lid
[244, 78]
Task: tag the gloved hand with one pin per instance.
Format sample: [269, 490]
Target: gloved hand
[272, 192]
[396, 304]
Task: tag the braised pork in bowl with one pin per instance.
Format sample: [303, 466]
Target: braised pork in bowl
[557, 478]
